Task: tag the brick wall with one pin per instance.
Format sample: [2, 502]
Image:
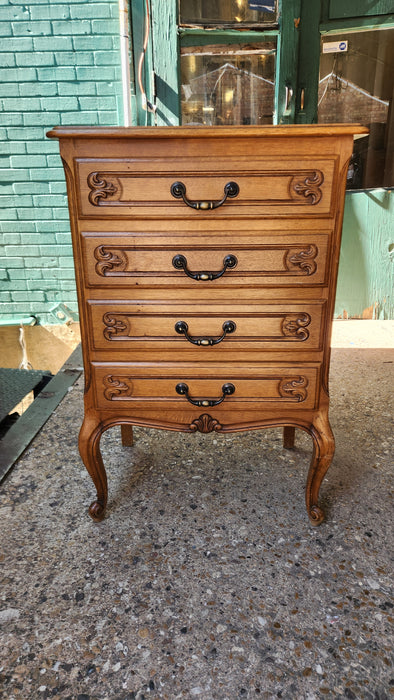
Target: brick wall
[59, 64]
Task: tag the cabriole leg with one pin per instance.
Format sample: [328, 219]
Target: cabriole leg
[127, 435]
[323, 452]
[288, 437]
[89, 448]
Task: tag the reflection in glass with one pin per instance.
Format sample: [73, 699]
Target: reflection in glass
[357, 86]
[225, 88]
[206, 12]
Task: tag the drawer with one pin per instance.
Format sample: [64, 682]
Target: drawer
[128, 387]
[191, 260]
[206, 186]
[121, 327]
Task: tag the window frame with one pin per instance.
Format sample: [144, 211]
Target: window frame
[226, 25]
[199, 37]
[161, 69]
[301, 24]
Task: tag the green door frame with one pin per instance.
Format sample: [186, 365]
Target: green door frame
[166, 61]
[287, 61]
[163, 51]
[300, 26]
[359, 11]
[365, 265]
[138, 18]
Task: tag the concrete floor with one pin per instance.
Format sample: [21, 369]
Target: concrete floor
[205, 580]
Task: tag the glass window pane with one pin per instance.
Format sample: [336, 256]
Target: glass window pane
[231, 12]
[356, 85]
[228, 88]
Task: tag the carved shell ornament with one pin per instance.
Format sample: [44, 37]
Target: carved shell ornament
[100, 188]
[205, 424]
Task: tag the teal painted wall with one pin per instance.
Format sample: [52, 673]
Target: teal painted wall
[366, 267]
[59, 64]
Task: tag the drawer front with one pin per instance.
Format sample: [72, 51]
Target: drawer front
[137, 260]
[121, 327]
[129, 387]
[264, 186]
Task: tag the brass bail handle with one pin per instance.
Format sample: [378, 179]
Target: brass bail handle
[182, 328]
[178, 190]
[180, 263]
[183, 390]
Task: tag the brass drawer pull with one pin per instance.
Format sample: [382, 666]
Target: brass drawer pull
[183, 390]
[180, 263]
[182, 328]
[178, 190]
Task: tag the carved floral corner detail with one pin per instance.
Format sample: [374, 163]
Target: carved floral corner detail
[205, 424]
[308, 186]
[117, 388]
[108, 259]
[303, 258]
[295, 326]
[114, 326]
[294, 388]
[100, 188]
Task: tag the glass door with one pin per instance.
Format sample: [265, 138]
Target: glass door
[356, 84]
[224, 62]
[229, 61]
[224, 84]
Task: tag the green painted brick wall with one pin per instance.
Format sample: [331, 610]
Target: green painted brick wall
[59, 64]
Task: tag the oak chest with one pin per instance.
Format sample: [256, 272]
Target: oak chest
[206, 263]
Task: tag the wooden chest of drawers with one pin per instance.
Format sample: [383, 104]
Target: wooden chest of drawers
[206, 263]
